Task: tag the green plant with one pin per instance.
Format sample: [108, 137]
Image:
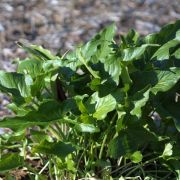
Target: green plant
[105, 110]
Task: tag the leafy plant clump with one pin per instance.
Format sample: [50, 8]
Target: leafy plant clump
[106, 110]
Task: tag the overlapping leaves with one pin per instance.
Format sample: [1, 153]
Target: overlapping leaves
[108, 89]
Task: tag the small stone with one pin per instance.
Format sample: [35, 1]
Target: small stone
[150, 1]
[5, 102]
[38, 19]
[5, 130]
[7, 7]
[7, 52]
[1, 28]
[54, 2]
[146, 27]
[57, 18]
[1, 131]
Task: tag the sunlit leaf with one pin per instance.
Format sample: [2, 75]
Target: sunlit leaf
[164, 51]
[139, 100]
[100, 106]
[136, 157]
[166, 80]
[167, 150]
[90, 128]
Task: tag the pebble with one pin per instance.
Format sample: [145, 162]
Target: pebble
[5, 130]
[1, 28]
[7, 7]
[7, 52]
[146, 27]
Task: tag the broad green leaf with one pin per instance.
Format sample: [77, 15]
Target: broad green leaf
[48, 112]
[100, 49]
[37, 52]
[119, 94]
[39, 136]
[79, 102]
[94, 84]
[136, 157]
[166, 80]
[100, 106]
[10, 138]
[85, 62]
[166, 34]
[167, 151]
[172, 110]
[139, 101]
[134, 53]
[107, 86]
[119, 123]
[125, 76]
[44, 52]
[130, 39]
[129, 140]
[89, 128]
[112, 65]
[71, 165]
[168, 107]
[31, 67]
[99, 45]
[59, 149]
[51, 65]
[18, 110]
[86, 119]
[10, 161]
[19, 123]
[177, 53]
[38, 85]
[163, 52]
[16, 84]
[160, 80]
[71, 61]
[169, 32]
[120, 146]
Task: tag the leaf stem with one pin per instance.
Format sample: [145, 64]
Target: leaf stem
[102, 146]
[106, 135]
[44, 168]
[54, 132]
[60, 131]
[133, 169]
[50, 170]
[83, 60]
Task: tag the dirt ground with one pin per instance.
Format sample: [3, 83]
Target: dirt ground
[60, 25]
